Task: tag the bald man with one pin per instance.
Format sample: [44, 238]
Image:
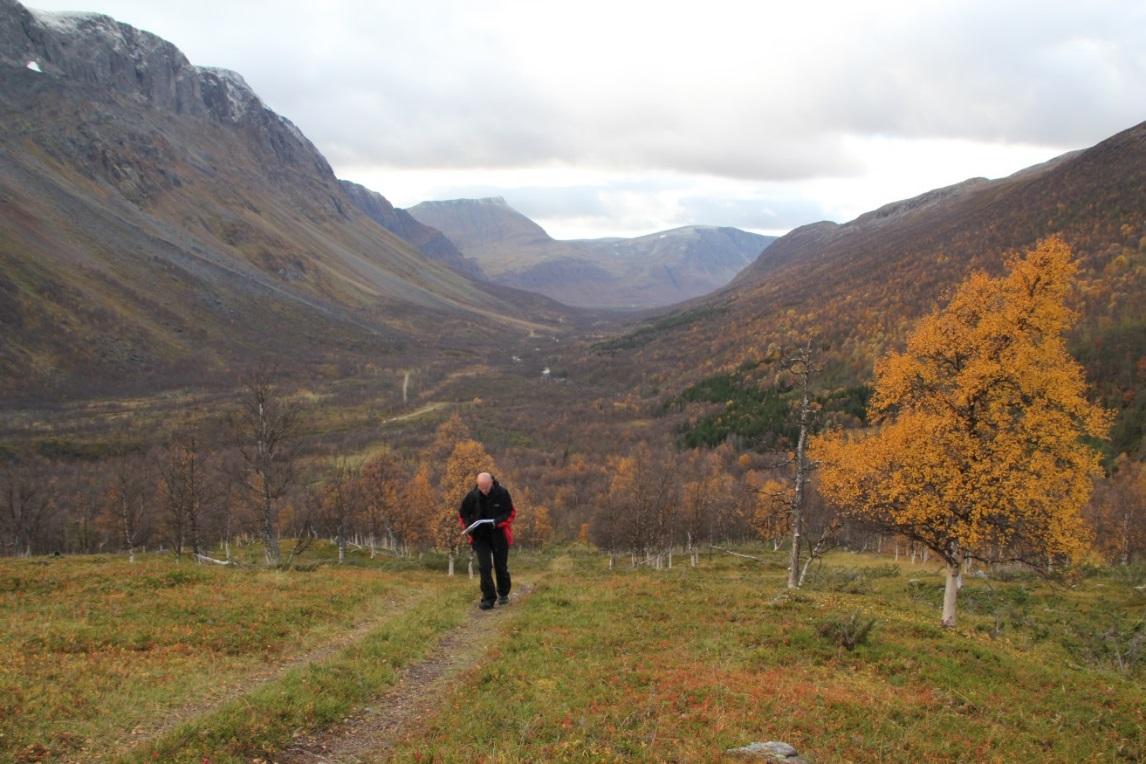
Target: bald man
[488, 500]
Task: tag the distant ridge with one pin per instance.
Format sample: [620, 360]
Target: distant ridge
[644, 272]
[487, 229]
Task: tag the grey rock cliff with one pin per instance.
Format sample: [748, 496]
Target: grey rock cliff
[96, 51]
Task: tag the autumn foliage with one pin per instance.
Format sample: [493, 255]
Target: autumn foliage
[978, 450]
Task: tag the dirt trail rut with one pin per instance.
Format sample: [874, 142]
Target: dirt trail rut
[368, 736]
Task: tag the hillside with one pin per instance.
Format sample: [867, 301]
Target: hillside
[157, 221]
[855, 289]
[644, 272]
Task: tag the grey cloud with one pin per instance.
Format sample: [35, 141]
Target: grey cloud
[767, 212]
[451, 84]
[1062, 75]
[441, 83]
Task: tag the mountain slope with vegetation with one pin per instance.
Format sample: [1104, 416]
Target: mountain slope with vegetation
[855, 289]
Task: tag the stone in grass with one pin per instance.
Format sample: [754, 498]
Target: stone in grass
[771, 752]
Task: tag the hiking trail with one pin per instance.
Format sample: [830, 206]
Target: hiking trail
[369, 734]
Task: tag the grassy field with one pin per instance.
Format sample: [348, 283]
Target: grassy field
[101, 660]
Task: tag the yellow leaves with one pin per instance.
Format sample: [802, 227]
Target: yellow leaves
[536, 526]
[450, 466]
[773, 489]
[981, 419]
[994, 332]
[773, 503]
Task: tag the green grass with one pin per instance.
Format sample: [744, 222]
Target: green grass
[261, 722]
[682, 665]
[97, 652]
[98, 656]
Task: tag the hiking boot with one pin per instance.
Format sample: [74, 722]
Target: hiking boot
[486, 605]
[503, 599]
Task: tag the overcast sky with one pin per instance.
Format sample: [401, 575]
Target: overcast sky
[626, 117]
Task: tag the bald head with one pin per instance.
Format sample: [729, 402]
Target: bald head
[485, 482]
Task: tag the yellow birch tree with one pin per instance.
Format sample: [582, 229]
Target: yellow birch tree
[538, 526]
[467, 459]
[423, 504]
[978, 450]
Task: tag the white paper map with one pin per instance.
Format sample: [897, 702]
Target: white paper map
[476, 523]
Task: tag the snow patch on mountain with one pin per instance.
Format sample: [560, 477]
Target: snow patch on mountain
[237, 96]
[68, 22]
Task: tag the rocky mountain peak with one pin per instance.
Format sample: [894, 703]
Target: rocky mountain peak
[486, 201]
[108, 60]
[611, 273]
[226, 94]
[95, 49]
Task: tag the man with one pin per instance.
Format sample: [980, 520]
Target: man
[490, 540]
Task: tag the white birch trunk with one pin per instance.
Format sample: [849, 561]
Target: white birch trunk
[951, 593]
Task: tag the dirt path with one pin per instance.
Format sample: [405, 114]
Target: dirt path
[245, 684]
[368, 735]
[428, 408]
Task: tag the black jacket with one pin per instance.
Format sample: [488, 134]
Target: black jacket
[497, 506]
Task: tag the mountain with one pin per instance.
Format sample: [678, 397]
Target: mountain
[157, 220]
[649, 271]
[856, 289]
[488, 230]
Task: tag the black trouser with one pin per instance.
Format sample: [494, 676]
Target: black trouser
[493, 557]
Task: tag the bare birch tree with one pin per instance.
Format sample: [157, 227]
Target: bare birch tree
[340, 502]
[26, 502]
[263, 430]
[185, 489]
[128, 494]
[382, 483]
